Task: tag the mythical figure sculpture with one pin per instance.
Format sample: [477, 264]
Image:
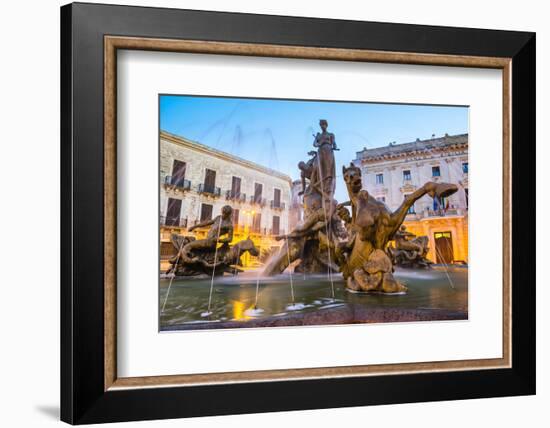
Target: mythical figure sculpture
[314, 241]
[332, 238]
[409, 250]
[367, 267]
[198, 256]
[306, 169]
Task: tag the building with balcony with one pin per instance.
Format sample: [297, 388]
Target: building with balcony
[390, 173]
[196, 181]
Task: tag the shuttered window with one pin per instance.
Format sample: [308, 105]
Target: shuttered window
[258, 188]
[178, 172]
[209, 180]
[276, 225]
[206, 212]
[173, 212]
[257, 223]
[235, 187]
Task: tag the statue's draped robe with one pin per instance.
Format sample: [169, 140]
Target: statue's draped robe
[323, 176]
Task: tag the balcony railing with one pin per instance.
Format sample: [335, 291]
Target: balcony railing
[442, 212]
[278, 205]
[232, 196]
[173, 221]
[258, 201]
[209, 190]
[177, 183]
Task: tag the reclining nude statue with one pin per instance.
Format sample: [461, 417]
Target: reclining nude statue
[196, 256]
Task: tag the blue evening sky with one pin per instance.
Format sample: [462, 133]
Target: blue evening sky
[278, 133]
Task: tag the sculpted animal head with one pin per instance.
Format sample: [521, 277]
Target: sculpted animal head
[352, 178]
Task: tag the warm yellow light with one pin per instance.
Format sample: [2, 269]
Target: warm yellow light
[239, 310]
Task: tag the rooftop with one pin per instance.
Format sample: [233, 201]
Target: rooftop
[417, 147]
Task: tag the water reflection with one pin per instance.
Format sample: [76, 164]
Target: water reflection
[234, 298]
[239, 310]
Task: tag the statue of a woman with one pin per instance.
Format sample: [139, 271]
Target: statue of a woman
[324, 176]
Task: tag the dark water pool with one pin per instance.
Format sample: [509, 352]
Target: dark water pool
[234, 298]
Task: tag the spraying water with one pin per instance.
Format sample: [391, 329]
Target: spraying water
[326, 228]
[173, 275]
[257, 290]
[290, 271]
[254, 311]
[445, 267]
[209, 312]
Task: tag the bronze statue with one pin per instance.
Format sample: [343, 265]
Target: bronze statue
[314, 242]
[409, 250]
[306, 169]
[221, 225]
[330, 238]
[196, 256]
[368, 267]
[323, 176]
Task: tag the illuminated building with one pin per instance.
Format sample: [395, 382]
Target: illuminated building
[196, 181]
[394, 171]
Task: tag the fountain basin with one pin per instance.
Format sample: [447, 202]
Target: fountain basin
[430, 297]
[345, 314]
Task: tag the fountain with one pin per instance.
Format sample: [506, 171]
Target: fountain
[339, 248]
[322, 244]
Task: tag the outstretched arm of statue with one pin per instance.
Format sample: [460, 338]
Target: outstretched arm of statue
[203, 224]
[435, 190]
[305, 229]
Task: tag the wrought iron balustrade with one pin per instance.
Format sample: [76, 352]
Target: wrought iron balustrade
[235, 196]
[177, 183]
[258, 201]
[209, 190]
[278, 205]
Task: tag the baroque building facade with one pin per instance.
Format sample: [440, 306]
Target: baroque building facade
[196, 181]
[392, 172]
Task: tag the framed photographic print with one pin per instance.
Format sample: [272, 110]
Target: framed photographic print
[275, 213]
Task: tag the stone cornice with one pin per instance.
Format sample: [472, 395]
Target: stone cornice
[184, 142]
[455, 150]
[420, 149]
